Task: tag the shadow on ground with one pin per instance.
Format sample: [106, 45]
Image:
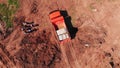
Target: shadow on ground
[72, 30]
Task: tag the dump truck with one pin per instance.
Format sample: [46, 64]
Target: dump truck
[58, 21]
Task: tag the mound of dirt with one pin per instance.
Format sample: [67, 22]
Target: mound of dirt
[37, 51]
[95, 44]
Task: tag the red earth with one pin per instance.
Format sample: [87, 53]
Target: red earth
[96, 44]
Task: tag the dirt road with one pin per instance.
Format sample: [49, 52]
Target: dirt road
[95, 45]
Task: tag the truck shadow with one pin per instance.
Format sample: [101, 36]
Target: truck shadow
[72, 30]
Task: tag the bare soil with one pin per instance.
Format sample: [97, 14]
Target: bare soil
[95, 45]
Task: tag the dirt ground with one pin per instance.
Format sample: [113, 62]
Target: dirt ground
[95, 45]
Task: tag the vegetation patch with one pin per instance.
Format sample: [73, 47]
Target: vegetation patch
[7, 12]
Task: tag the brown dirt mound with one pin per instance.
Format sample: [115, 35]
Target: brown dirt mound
[95, 45]
[37, 51]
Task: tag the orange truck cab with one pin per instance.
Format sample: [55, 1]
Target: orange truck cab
[58, 22]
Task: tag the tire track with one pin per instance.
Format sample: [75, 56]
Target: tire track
[69, 54]
[6, 60]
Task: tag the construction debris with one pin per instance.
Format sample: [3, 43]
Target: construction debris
[29, 27]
